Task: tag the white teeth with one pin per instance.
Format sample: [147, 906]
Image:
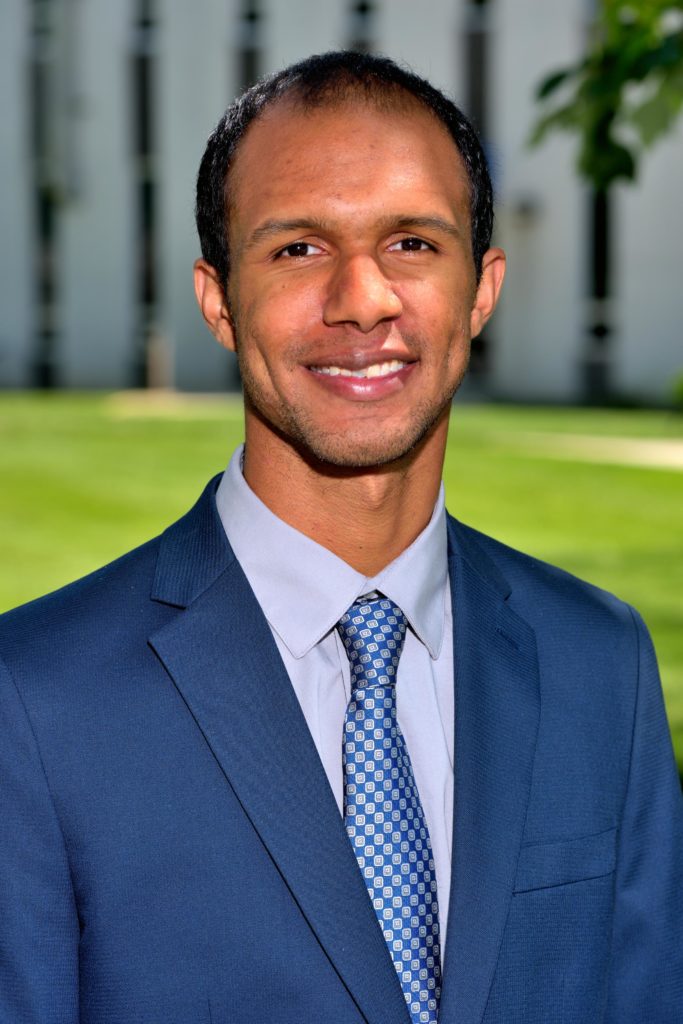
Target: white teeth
[376, 370]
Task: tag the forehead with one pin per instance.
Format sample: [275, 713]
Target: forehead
[352, 152]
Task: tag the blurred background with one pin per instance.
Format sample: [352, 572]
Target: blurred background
[107, 107]
[114, 401]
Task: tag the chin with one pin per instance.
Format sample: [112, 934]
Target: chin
[354, 459]
[344, 452]
[349, 445]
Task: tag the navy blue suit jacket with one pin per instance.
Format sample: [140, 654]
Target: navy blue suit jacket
[171, 852]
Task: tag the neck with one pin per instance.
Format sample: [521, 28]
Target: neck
[366, 517]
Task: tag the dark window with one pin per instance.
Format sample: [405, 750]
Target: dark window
[249, 56]
[361, 33]
[476, 58]
[45, 193]
[143, 68]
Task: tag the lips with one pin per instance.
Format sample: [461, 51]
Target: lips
[369, 383]
[373, 371]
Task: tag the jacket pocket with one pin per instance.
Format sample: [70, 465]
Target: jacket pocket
[543, 865]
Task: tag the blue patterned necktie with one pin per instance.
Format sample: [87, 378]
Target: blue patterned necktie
[382, 810]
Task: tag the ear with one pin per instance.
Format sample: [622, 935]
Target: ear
[213, 303]
[488, 290]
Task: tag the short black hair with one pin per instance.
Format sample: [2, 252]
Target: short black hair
[325, 79]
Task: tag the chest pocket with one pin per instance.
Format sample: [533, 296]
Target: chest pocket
[544, 865]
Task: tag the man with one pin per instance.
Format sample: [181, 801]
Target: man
[319, 753]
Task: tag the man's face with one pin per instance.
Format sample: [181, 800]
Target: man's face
[352, 296]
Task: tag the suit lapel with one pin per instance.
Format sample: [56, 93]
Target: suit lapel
[223, 659]
[496, 722]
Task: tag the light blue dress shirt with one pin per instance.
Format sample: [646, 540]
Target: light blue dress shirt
[304, 589]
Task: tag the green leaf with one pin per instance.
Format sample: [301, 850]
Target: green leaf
[553, 82]
[631, 42]
[563, 118]
[654, 118]
[603, 166]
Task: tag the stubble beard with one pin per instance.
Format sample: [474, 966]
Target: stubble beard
[344, 451]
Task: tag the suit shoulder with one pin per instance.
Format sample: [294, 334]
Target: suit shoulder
[79, 608]
[592, 649]
[98, 627]
[538, 590]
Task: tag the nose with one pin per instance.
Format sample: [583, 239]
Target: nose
[361, 295]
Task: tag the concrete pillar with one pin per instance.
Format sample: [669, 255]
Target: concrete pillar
[96, 285]
[542, 212]
[198, 78]
[648, 294]
[426, 36]
[298, 28]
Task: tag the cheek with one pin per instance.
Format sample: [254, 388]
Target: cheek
[442, 326]
[440, 307]
[297, 307]
[280, 317]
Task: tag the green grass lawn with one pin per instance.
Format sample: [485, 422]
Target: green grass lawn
[85, 478]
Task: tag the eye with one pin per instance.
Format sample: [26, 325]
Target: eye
[297, 250]
[411, 244]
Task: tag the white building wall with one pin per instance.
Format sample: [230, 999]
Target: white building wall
[197, 79]
[542, 213]
[298, 28]
[648, 302]
[16, 253]
[427, 37]
[96, 274]
[537, 335]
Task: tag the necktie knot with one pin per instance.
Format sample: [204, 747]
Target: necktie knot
[373, 632]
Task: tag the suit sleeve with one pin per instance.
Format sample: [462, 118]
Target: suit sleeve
[38, 920]
[646, 982]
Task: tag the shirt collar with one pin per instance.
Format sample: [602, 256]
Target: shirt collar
[304, 589]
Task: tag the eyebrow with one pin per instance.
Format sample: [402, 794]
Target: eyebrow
[273, 227]
[404, 222]
[430, 223]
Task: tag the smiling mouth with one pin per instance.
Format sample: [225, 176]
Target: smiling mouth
[366, 373]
